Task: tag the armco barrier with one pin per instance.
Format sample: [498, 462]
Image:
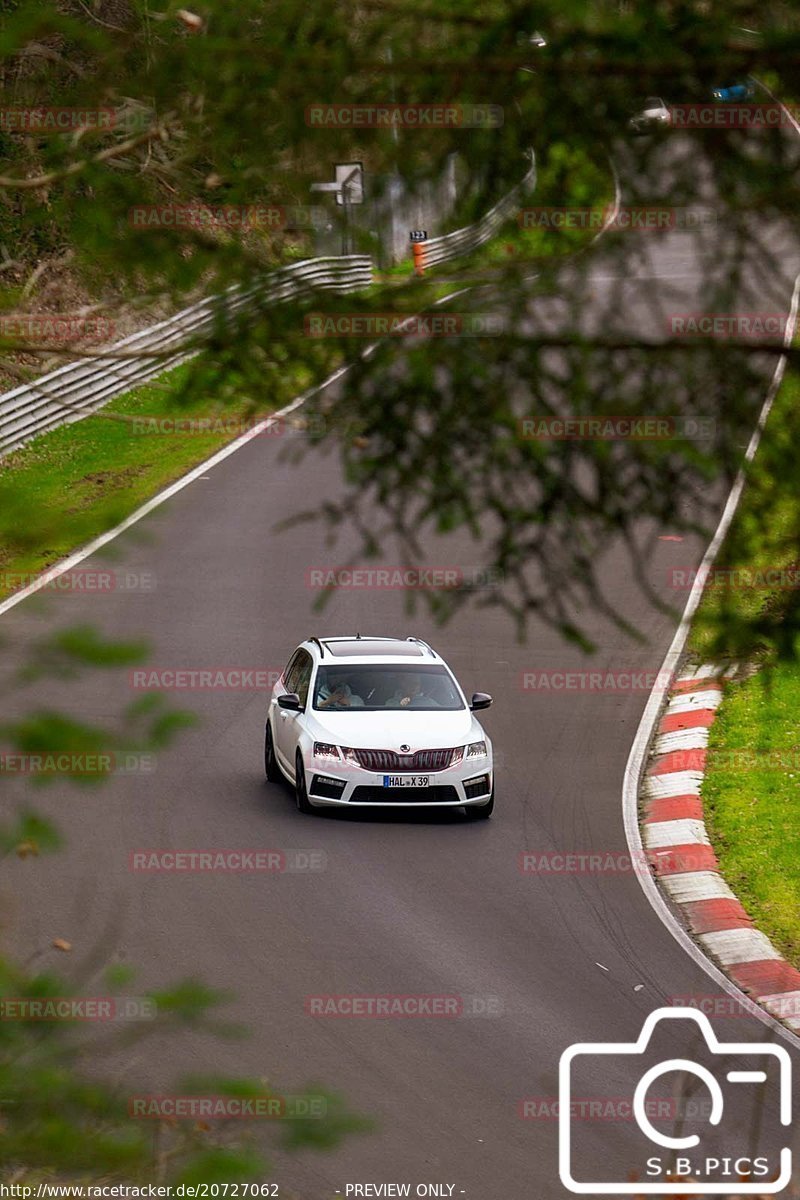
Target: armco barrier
[75, 391]
[79, 389]
[463, 241]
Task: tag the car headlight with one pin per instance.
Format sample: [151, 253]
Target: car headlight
[350, 756]
[476, 750]
[325, 750]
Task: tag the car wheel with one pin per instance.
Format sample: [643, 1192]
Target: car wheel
[271, 768]
[300, 790]
[480, 812]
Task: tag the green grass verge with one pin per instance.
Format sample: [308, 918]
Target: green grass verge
[751, 791]
[750, 799]
[68, 486]
[743, 614]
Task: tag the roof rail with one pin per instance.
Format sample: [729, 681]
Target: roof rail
[420, 642]
[319, 643]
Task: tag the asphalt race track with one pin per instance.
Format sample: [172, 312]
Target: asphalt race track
[406, 904]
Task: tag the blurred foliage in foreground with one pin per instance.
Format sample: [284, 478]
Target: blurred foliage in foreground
[59, 1122]
[60, 1118]
[211, 106]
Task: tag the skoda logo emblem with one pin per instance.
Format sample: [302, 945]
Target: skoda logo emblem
[405, 748]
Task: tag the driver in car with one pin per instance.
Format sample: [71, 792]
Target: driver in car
[409, 694]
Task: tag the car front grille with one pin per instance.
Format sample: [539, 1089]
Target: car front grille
[412, 764]
[440, 794]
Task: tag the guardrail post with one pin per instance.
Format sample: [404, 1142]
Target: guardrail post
[418, 250]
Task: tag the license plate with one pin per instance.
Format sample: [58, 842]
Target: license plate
[399, 781]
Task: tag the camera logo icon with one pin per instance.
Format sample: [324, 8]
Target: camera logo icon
[679, 1162]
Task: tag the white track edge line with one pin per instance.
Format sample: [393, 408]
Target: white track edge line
[636, 759]
[78, 556]
[154, 502]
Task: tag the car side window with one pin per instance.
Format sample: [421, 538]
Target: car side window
[290, 674]
[303, 676]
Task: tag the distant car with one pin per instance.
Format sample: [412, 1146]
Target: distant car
[736, 93]
[532, 39]
[377, 721]
[535, 39]
[654, 115]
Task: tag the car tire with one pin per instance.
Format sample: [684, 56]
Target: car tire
[271, 768]
[304, 805]
[480, 812]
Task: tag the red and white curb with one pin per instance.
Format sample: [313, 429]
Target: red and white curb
[682, 858]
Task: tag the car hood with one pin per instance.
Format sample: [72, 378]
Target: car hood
[417, 729]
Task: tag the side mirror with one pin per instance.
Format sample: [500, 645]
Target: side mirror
[290, 700]
[479, 700]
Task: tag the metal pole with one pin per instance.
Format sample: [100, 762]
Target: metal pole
[395, 170]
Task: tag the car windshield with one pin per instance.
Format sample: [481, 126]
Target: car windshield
[371, 687]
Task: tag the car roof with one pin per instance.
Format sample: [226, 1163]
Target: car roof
[358, 647]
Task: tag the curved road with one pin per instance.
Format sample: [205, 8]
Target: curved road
[407, 904]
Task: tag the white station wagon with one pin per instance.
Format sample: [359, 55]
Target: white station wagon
[377, 721]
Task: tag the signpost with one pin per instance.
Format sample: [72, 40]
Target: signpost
[348, 187]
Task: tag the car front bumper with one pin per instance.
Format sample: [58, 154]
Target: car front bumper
[345, 785]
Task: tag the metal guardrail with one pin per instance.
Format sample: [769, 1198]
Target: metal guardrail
[73, 392]
[463, 241]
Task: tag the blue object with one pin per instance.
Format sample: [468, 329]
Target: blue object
[735, 93]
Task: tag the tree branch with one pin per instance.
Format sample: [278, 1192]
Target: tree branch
[121, 148]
